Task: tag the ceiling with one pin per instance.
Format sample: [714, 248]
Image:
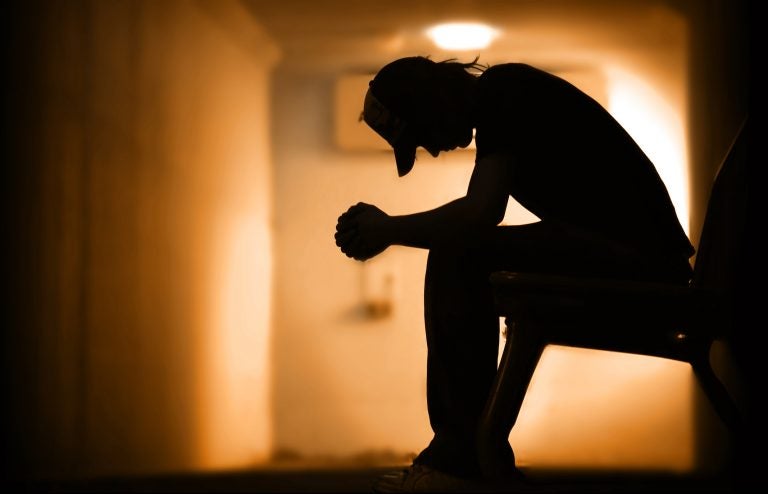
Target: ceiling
[366, 34]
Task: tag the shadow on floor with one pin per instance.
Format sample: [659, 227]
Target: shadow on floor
[358, 479]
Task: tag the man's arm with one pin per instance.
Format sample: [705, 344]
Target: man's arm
[483, 206]
[365, 230]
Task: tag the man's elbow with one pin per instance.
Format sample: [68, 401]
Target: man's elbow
[495, 217]
[495, 208]
[499, 218]
[488, 215]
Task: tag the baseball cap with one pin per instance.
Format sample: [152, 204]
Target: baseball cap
[390, 102]
[392, 128]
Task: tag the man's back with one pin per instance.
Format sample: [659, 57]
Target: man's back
[573, 163]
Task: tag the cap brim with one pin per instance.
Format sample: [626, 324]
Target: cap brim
[404, 157]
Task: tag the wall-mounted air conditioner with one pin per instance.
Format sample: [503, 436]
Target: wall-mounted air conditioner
[351, 133]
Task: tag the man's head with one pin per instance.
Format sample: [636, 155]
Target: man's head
[415, 101]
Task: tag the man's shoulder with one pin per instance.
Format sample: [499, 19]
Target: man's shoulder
[508, 76]
[511, 69]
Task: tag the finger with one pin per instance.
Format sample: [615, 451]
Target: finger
[343, 238]
[364, 254]
[353, 248]
[345, 225]
[357, 209]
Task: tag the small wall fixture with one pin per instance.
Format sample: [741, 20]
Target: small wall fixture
[462, 35]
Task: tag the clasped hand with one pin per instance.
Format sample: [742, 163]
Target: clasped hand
[359, 231]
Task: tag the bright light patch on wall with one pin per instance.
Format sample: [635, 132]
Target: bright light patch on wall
[462, 35]
[235, 412]
[590, 409]
[658, 129]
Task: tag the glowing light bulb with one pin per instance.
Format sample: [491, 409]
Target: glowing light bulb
[462, 35]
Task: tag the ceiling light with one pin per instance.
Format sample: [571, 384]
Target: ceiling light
[462, 35]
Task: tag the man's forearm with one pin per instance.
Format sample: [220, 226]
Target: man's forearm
[423, 230]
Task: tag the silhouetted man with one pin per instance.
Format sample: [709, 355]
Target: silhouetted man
[603, 211]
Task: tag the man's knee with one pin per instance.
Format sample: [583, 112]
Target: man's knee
[457, 256]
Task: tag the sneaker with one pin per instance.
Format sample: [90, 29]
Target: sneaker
[421, 478]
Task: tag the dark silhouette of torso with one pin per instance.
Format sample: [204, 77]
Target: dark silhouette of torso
[573, 162]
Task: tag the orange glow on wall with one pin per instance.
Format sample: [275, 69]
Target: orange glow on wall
[589, 409]
[657, 125]
[234, 356]
[236, 424]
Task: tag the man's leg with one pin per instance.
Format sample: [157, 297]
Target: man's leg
[462, 332]
[462, 326]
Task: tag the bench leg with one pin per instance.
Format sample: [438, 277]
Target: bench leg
[522, 352]
[718, 395]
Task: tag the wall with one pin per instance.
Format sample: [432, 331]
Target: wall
[138, 179]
